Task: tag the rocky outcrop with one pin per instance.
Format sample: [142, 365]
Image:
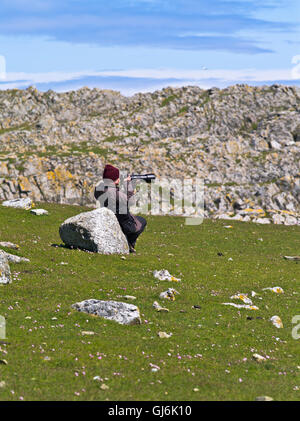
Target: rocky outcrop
[243, 141]
[123, 313]
[98, 231]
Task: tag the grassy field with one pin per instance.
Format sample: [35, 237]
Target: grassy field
[208, 357]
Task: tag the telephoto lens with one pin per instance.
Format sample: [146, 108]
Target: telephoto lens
[147, 177]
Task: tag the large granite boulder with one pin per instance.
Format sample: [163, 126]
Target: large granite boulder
[98, 231]
[123, 313]
[5, 275]
[24, 203]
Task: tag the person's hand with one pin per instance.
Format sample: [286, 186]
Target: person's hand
[128, 178]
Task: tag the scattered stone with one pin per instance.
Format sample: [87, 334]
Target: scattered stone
[9, 245]
[98, 231]
[39, 212]
[258, 358]
[128, 297]
[196, 307]
[104, 387]
[277, 290]
[13, 258]
[159, 308]
[24, 203]
[154, 367]
[169, 294]
[2, 384]
[164, 335]
[246, 306]
[122, 313]
[164, 275]
[262, 221]
[5, 274]
[263, 398]
[242, 297]
[4, 362]
[87, 333]
[276, 320]
[297, 258]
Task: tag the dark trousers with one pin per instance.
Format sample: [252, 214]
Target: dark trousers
[132, 237]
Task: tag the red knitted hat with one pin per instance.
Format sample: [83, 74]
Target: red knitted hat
[111, 172]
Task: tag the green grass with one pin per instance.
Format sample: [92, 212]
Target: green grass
[183, 110]
[205, 342]
[27, 127]
[167, 100]
[82, 148]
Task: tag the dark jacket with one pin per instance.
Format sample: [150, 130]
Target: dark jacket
[111, 197]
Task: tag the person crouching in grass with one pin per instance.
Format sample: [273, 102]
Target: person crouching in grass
[109, 195]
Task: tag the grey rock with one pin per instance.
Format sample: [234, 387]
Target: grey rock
[24, 203]
[224, 216]
[262, 221]
[275, 145]
[13, 258]
[296, 258]
[5, 274]
[10, 245]
[237, 218]
[39, 211]
[263, 398]
[123, 313]
[290, 220]
[46, 123]
[278, 219]
[98, 231]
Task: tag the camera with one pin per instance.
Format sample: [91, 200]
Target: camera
[147, 177]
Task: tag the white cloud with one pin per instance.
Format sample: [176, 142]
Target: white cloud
[154, 78]
[230, 75]
[253, 75]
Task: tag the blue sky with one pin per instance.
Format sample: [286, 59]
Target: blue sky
[143, 45]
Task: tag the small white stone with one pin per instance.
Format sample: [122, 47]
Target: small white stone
[39, 212]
